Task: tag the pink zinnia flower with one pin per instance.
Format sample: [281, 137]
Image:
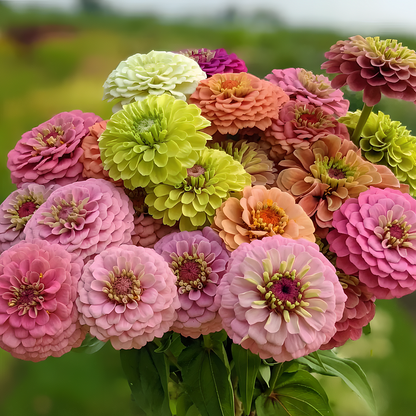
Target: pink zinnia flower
[17, 209]
[375, 66]
[308, 88]
[280, 298]
[127, 295]
[373, 239]
[84, 217]
[215, 61]
[50, 153]
[198, 259]
[38, 287]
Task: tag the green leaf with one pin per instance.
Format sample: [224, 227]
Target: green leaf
[296, 394]
[246, 366]
[206, 379]
[264, 371]
[90, 345]
[147, 374]
[347, 370]
[367, 329]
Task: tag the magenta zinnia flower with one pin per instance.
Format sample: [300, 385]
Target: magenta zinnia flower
[85, 218]
[375, 66]
[17, 209]
[198, 259]
[308, 88]
[215, 61]
[50, 153]
[127, 295]
[38, 287]
[373, 239]
[280, 298]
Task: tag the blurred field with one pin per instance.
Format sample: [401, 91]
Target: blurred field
[53, 63]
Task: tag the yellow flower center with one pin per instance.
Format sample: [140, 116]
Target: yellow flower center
[269, 217]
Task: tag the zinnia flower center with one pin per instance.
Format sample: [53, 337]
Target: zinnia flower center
[269, 217]
[315, 83]
[333, 171]
[51, 136]
[283, 292]
[144, 125]
[123, 286]
[66, 215]
[390, 49]
[309, 118]
[394, 233]
[195, 171]
[336, 173]
[27, 296]
[27, 208]
[191, 270]
[199, 55]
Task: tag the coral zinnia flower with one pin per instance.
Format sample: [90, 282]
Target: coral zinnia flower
[388, 143]
[193, 201]
[308, 88]
[17, 209]
[252, 157]
[38, 287]
[373, 239]
[299, 125]
[199, 260]
[215, 61]
[259, 213]
[50, 153]
[323, 177]
[85, 218]
[375, 66]
[155, 73]
[236, 101]
[280, 298]
[127, 295]
[153, 141]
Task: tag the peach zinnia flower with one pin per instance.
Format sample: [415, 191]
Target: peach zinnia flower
[323, 177]
[261, 212]
[236, 101]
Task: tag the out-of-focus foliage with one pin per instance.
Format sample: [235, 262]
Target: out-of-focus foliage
[52, 63]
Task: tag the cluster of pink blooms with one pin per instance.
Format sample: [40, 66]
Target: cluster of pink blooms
[285, 268]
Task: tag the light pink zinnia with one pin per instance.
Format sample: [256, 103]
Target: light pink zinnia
[308, 88]
[127, 295]
[38, 287]
[198, 259]
[84, 217]
[50, 153]
[373, 240]
[17, 209]
[280, 298]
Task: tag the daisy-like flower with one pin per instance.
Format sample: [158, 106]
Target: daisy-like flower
[193, 201]
[38, 287]
[372, 239]
[84, 218]
[359, 307]
[280, 298]
[261, 212]
[388, 143]
[155, 73]
[127, 295]
[198, 259]
[308, 88]
[323, 177]
[236, 101]
[50, 153]
[215, 61]
[17, 209]
[153, 141]
[253, 157]
[375, 66]
[299, 125]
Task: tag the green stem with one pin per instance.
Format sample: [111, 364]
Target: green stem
[276, 373]
[365, 113]
[207, 342]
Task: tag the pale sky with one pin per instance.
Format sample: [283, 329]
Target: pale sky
[364, 17]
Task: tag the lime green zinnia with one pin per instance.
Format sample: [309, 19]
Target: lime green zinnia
[387, 142]
[194, 200]
[153, 141]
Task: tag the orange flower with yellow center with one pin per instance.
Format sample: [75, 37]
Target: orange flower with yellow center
[259, 213]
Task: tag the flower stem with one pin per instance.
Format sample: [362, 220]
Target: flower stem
[365, 113]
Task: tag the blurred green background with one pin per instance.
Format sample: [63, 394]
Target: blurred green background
[58, 62]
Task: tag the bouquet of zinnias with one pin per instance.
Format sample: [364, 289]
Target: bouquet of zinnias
[223, 231]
